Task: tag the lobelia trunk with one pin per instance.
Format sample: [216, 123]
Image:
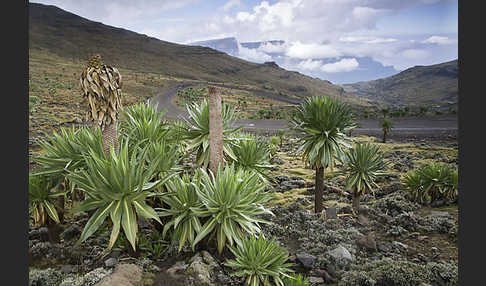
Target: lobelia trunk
[319, 187]
[215, 130]
[384, 136]
[110, 138]
[356, 202]
[53, 231]
[60, 208]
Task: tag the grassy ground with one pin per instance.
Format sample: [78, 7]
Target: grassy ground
[421, 154]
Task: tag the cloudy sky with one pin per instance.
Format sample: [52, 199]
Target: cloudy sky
[340, 40]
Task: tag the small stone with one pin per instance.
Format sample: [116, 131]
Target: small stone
[111, 262]
[316, 280]
[307, 260]
[340, 253]
[400, 246]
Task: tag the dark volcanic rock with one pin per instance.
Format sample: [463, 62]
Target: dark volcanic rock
[307, 260]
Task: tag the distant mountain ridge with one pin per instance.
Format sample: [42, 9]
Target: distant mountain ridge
[230, 45]
[226, 45]
[275, 50]
[420, 85]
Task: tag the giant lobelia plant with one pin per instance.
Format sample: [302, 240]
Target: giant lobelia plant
[363, 164]
[183, 204]
[101, 86]
[322, 123]
[260, 261]
[432, 182]
[143, 122]
[253, 155]
[41, 199]
[117, 187]
[232, 204]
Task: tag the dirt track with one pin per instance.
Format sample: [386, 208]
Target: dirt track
[431, 127]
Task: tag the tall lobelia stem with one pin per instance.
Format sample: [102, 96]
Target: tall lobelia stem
[215, 130]
[319, 189]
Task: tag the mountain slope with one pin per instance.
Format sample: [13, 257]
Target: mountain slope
[419, 85]
[55, 31]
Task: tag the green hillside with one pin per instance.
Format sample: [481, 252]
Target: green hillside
[435, 85]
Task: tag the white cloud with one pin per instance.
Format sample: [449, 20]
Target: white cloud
[253, 55]
[309, 64]
[272, 48]
[311, 51]
[366, 16]
[344, 65]
[230, 4]
[245, 17]
[439, 40]
[367, 39]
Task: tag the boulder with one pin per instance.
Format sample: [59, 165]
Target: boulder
[340, 253]
[305, 259]
[202, 269]
[199, 270]
[125, 274]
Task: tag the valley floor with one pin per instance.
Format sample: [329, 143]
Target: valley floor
[392, 242]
